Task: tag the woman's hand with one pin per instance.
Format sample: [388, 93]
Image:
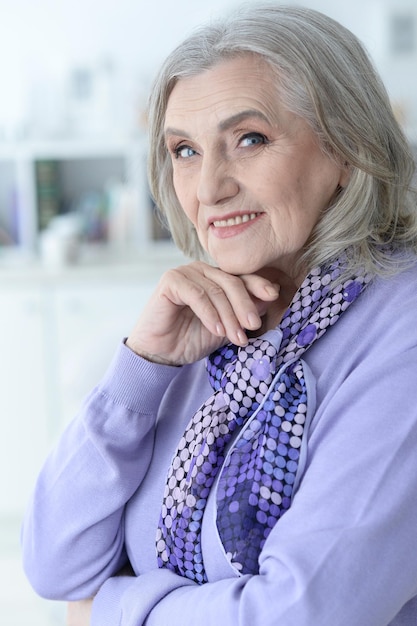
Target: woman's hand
[79, 613]
[195, 309]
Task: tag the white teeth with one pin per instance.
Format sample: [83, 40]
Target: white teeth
[234, 221]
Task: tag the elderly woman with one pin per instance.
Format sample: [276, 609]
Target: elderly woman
[250, 456]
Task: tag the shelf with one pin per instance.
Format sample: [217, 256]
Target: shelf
[102, 181]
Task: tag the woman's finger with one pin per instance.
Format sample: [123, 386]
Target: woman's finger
[242, 308]
[206, 292]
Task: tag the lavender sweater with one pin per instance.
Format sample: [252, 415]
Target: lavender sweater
[345, 554]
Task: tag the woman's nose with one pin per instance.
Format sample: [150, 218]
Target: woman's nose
[216, 183]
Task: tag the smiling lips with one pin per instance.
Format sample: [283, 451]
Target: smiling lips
[235, 221]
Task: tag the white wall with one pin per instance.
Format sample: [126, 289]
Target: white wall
[42, 41]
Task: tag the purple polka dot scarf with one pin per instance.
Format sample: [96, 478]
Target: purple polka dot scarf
[247, 438]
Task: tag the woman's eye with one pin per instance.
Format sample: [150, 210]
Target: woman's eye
[252, 139]
[183, 152]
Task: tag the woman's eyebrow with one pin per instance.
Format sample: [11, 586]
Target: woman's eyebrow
[176, 132]
[242, 116]
[225, 124]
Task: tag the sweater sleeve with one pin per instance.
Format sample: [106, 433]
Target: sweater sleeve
[343, 553]
[72, 535]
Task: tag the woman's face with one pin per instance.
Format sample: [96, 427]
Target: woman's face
[249, 174]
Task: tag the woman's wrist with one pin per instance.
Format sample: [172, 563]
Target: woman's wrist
[152, 358]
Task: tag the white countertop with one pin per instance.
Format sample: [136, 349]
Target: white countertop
[95, 263]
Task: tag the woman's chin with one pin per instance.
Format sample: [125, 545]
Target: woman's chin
[232, 264]
[238, 269]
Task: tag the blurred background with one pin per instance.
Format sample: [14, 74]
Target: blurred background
[80, 246]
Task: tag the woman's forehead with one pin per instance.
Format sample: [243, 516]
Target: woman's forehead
[235, 85]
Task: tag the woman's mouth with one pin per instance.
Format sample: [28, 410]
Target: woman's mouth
[235, 221]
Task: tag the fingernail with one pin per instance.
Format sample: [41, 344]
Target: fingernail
[253, 320]
[272, 290]
[243, 340]
[220, 330]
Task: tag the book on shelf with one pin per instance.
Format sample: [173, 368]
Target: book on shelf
[48, 192]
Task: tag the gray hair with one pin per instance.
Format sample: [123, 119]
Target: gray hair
[325, 76]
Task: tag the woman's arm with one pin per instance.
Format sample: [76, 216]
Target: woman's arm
[73, 535]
